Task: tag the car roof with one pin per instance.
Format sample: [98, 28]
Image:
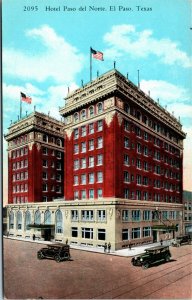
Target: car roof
[57, 245]
[156, 248]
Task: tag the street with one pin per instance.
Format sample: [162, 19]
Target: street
[92, 275]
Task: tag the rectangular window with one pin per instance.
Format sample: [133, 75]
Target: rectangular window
[126, 177]
[76, 195]
[99, 176]
[138, 195]
[145, 180]
[100, 125]
[58, 165]
[126, 193]
[91, 161]
[83, 178]
[100, 142]
[91, 128]
[45, 188]
[146, 166]
[58, 189]
[126, 142]
[45, 150]
[146, 215]
[91, 193]
[76, 148]
[125, 234]
[138, 164]
[91, 177]
[139, 179]
[136, 215]
[126, 125]
[83, 163]
[99, 159]
[101, 234]
[145, 196]
[87, 233]
[91, 144]
[145, 136]
[76, 133]
[101, 215]
[76, 180]
[83, 131]
[76, 164]
[45, 163]
[83, 147]
[126, 160]
[74, 215]
[145, 151]
[125, 215]
[74, 231]
[139, 148]
[99, 193]
[83, 194]
[136, 233]
[87, 215]
[58, 154]
[45, 175]
[146, 231]
[58, 177]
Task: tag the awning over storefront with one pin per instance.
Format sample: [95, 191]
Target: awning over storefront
[163, 227]
[41, 226]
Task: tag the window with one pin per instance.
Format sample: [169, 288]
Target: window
[99, 159]
[139, 148]
[83, 114]
[59, 222]
[37, 218]
[83, 163]
[139, 179]
[45, 176]
[91, 128]
[125, 234]
[99, 108]
[58, 177]
[125, 215]
[145, 180]
[101, 234]
[83, 194]
[76, 164]
[87, 215]
[19, 220]
[74, 231]
[146, 136]
[100, 142]
[136, 214]
[91, 193]
[45, 188]
[136, 233]
[126, 125]
[83, 131]
[58, 189]
[99, 193]
[91, 111]
[101, 215]
[45, 138]
[58, 154]
[91, 178]
[11, 220]
[99, 176]
[76, 133]
[91, 144]
[83, 147]
[146, 231]
[100, 125]
[27, 219]
[83, 178]
[45, 150]
[145, 196]
[45, 163]
[138, 195]
[164, 215]
[91, 161]
[126, 193]
[138, 164]
[145, 150]
[76, 117]
[74, 215]
[126, 142]
[76, 148]
[145, 166]
[87, 233]
[127, 108]
[58, 165]
[47, 217]
[146, 215]
[126, 160]
[126, 177]
[157, 169]
[59, 142]
[52, 164]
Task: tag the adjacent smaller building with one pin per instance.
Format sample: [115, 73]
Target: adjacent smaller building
[187, 222]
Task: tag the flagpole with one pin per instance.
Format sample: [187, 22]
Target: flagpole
[90, 65]
[20, 107]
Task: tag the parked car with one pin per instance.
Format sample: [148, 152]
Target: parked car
[179, 240]
[152, 256]
[58, 252]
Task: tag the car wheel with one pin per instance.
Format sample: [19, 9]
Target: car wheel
[40, 255]
[145, 265]
[167, 258]
[57, 258]
[133, 263]
[66, 256]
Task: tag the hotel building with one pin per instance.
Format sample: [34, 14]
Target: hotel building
[123, 170]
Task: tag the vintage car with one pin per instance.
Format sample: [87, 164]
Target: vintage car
[152, 256]
[58, 252]
[179, 240]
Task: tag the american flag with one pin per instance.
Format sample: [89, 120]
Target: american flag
[26, 98]
[97, 54]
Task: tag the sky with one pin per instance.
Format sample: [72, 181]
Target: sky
[46, 49]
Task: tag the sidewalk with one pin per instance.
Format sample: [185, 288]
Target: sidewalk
[122, 252]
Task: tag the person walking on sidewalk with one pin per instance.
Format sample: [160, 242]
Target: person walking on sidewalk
[109, 247]
[105, 247]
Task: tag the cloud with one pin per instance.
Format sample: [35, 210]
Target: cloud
[59, 61]
[124, 39]
[187, 161]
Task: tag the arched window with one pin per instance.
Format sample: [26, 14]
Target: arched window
[99, 107]
[47, 218]
[11, 220]
[76, 117]
[145, 120]
[83, 114]
[127, 108]
[59, 143]
[19, 220]
[45, 138]
[91, 111]
[27, 219]
[52, 140]
[59, 222]
[138, 115]
[37, 219]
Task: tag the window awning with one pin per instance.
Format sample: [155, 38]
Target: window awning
[163, 227]
[41, 226]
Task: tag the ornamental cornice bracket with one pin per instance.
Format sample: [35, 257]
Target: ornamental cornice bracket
[109, 117]
[69, 132]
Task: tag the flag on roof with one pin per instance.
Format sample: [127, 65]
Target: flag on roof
[97, 54]
[26, 98]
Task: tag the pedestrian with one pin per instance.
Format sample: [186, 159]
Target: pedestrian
[33, 236]
[66, 242]
[161, 242]
[109, 247]
[105, 247]
[130, 246]
[7, 233]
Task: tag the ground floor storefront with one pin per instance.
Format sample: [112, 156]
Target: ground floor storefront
[117, 222]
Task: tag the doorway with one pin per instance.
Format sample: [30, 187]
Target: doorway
[154, 236]
[47, 234]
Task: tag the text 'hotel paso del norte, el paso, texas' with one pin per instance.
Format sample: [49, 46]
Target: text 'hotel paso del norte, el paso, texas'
[112, 172]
